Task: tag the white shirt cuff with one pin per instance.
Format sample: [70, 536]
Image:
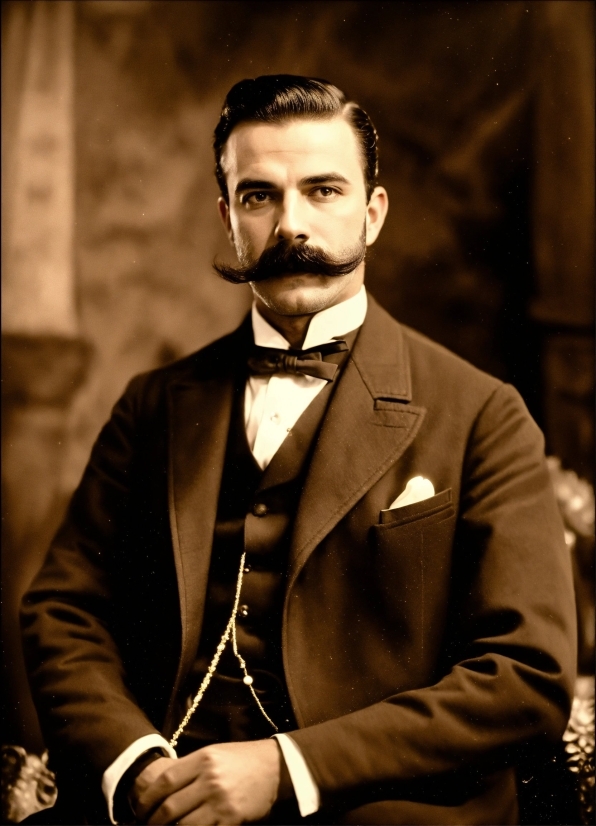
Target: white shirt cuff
[113, 774]
[305, 788]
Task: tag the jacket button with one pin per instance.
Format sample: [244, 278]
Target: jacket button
[247, 568]
[260, 509]
[243, 611]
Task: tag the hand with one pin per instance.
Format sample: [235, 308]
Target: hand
[143, 780]
[227, 783]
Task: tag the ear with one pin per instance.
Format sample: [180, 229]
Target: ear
[376, 212]
[224, 213]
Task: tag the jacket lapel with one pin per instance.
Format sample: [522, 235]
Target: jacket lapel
[368, 425]
[199, 418]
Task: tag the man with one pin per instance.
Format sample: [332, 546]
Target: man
[323, 527]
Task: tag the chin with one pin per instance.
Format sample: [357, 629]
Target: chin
[300, 294]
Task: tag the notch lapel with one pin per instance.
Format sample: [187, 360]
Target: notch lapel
[199, 420]
[368, 425]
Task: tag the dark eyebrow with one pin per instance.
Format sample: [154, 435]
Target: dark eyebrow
[248, 183]
[327, 178]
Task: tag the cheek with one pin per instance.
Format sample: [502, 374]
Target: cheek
[242, 242]
[344, 227]
[250, 236]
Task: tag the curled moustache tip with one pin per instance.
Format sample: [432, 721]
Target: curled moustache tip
[234, 275]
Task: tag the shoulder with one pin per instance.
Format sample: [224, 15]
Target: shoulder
[444, 381]
[432, 362]
[462, 401]
[433, 372]
[447, 386]
[215, 361]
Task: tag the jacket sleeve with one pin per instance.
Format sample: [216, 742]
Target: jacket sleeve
[512, 679]
[85, 706]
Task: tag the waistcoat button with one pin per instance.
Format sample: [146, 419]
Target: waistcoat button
[260, 509]
[243, 611]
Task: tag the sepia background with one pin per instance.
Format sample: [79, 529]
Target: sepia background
[485, 114]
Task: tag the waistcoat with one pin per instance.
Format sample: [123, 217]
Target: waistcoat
[256, 511]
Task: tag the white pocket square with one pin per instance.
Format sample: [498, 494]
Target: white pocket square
[417, 490]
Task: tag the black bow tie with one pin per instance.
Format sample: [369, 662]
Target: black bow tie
[266, 361]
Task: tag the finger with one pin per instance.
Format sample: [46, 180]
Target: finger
[179, 804]
[178, 775]
[203, 816]
[148, 776]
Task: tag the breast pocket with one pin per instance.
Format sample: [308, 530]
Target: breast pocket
[435, 509]
[412, 559]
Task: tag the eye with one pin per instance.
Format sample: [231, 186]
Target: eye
[325, 193]
[256, 198]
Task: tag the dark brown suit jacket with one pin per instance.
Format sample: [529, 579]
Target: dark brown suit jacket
[422, 650]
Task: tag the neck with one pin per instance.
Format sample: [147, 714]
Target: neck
[292, 327]
[295, 327]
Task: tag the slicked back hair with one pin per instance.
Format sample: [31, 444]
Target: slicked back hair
[278, 98]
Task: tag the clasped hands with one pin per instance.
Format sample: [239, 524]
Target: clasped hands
[226, 783]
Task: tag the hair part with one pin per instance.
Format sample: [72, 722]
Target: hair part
[278, 98]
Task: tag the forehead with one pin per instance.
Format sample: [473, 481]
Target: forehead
[298, 147]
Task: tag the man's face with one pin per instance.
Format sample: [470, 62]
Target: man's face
[299, 182]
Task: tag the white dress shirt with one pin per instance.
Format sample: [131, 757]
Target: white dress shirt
[272, 406]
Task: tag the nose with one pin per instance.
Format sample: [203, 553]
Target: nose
[291, 225]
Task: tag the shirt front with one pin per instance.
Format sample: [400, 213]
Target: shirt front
[273, 404]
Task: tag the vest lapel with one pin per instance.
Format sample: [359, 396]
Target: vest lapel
[369, 424]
